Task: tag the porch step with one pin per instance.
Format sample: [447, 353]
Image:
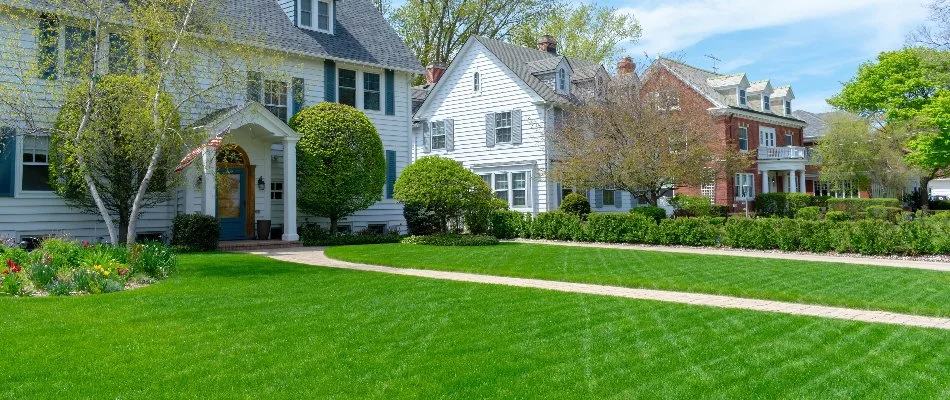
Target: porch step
[242, 245]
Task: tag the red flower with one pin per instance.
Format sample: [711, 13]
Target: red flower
[16, 269]
[11, 263]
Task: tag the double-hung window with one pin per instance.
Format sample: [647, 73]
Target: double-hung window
[306, 13]
[347, 87]
[744, 138]
[519, 189]
[323, 15]
[35, 164]
[742, 98]
[370, 91]
[788, 107]
[789, 138]
[501, 186]
[77, 51]
[438, 135]
[275, 98]
[562, 80]
[766, 103]
[745, 186]
[609, 197]
[503, 127]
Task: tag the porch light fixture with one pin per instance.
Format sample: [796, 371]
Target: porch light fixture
[260, 183]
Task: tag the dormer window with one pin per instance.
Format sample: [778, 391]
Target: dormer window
[321, 13]
[766, 105]
[562, 80]
[742, 99]
[788, 107]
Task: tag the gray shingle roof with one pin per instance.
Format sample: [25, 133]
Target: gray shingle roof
[361, 34]
[816, 124]
[526, 62]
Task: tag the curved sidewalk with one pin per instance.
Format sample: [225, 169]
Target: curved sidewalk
[315, 256]
[841, 259]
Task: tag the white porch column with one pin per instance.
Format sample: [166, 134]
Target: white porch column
[207, 181]
[290, 190]
[765, 181]
[801, 182]
[792, 182]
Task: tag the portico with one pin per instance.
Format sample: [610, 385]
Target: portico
[233, 183]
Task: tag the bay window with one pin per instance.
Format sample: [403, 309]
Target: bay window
[512, 187]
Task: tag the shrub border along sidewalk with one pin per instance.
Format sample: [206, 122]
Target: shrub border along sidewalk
[922, 236]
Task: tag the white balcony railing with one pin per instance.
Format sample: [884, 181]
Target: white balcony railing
[784, 153]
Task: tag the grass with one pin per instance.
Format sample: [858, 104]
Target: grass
[241, 326]
[903, 290]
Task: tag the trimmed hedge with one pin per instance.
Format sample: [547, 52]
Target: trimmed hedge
[812, 213]
[781, 204]
[317, 236]
[890, 214]
[452, 240]
[196, 232]
[923, 235]
[693, 206]
[856, 208]
[576, 204]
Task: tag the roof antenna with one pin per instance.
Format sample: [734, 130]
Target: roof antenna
[715, 61]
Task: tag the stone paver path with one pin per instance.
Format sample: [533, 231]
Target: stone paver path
[315, 256]
[843, 259]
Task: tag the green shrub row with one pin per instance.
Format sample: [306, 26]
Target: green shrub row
[856, 208]
[314, 235]
[781, 204]
[452, 240]
[929, 235]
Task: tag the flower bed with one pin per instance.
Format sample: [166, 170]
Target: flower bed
[62, 267]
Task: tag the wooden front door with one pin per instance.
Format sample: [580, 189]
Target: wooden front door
[235, 193]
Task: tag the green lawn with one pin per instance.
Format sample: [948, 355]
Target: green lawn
[233, 326]
[881, 288]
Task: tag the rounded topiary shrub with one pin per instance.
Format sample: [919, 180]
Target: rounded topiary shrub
[341, 168]
[444, 188]
[576, 204]
[657, 213]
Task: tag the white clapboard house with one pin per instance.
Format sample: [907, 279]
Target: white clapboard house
[491, 110]
[333, 50]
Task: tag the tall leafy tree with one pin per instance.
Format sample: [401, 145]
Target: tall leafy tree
[168, 44]
[437, 29]
[908, 86]
[854, 151]
[341, 168]
[585, 31]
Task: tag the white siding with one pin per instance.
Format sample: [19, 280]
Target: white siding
[501, 91]
[44, 213]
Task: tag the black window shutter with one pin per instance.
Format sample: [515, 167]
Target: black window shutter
[254, 85]
[48, 45]
[390, 92]
[8, 157]
[299, 91]
[390, 173]
[329, 81]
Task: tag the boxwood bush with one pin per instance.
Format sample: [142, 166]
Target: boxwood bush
[881, 213]
[657, 213]
[196, 232]
[556, 225]
[506, 224]
[812, 213]
[856, 208]
[837, 216]
[620, 228]
[687, 232]
[452, 240]
[576, 204]
[781, 204]
[749, 233]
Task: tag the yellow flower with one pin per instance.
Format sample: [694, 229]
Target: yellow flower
[106, 273]
[97, 267]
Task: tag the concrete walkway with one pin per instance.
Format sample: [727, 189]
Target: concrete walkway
[843, 259]
[315, 256]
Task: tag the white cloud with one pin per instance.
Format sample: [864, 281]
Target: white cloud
[670, 27]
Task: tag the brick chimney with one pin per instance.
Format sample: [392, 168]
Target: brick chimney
[434, 72]
[547, 44]
[626, 66]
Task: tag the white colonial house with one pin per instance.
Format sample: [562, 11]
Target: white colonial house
[491, 109]
[332, 50]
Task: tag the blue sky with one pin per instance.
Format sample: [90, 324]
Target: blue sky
[813, 45]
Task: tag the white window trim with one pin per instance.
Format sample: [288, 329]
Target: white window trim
[18, 191]
[509, 172]
[742, 97]
[740, 180]
[477, 83]
[432, 137]
[566, 81]
[763, 130]
[739, 134]
[510, 122]
[315, 16]
[788, 107]
[766, 103]
[287, 97]
[361, 91]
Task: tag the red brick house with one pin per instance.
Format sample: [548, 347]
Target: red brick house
[755, 117]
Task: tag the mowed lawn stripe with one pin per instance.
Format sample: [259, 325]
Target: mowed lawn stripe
[909, 291]
[233, 325]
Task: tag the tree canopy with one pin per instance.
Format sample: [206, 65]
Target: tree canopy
[341, 168]
[583, 31]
